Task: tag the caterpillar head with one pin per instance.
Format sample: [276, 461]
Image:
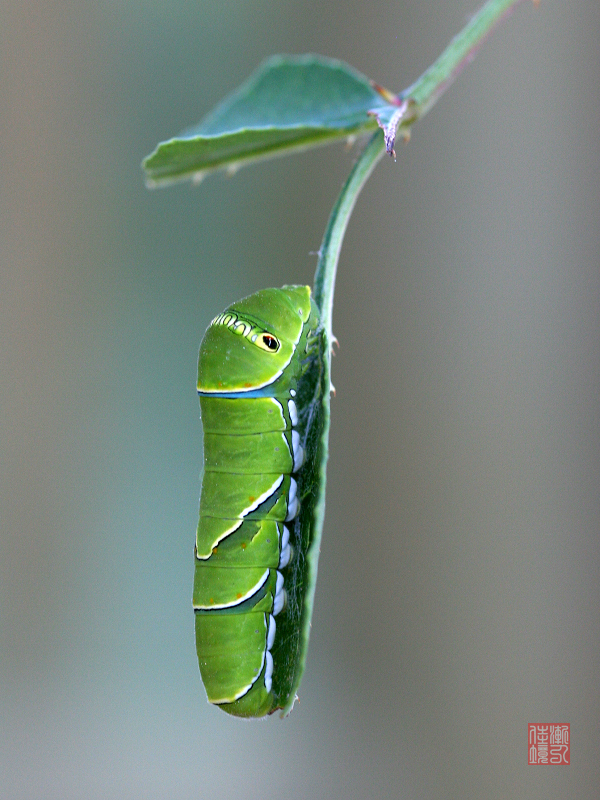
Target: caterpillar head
[250, 344]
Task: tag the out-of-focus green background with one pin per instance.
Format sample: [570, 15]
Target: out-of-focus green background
[459, 583]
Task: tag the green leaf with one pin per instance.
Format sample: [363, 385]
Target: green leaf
[289, 103]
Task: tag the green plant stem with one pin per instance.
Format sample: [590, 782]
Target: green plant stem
[460, 52]
[323, 294]
[417, 100]
[413, 103]
[331, 245]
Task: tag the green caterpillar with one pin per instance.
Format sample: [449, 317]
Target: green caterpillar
[257, 387]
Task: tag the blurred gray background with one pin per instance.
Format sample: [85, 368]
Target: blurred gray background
[459, 582]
